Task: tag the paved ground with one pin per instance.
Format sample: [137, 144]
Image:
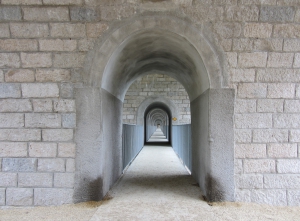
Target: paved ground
[158, 136]
[155, 187]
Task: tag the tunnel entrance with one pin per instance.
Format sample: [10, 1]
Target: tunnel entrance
[163, 45]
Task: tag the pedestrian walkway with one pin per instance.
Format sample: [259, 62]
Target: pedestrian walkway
[158, 136]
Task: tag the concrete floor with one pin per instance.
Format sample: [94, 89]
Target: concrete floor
[158, 136]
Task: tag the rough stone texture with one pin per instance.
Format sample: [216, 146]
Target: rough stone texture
[20, 135]
[84, 14]
[46, 120]
[35, 180]
[283, 60]
[27, 30]
[257, 30]
[40, 90]
[2, 196]
[66, 150]
[276, 14]
[19, 75]
[57, 134]
[69, 60]
[18, 45]
[69, 120]
[8, 179]
[21, 2]
[270, 105]
[94, 30]
[250, 151]
[19, 165]
[274, 197]
[19, 197]
[256, 59]
[281, 91]
[284, 150]
[51, 165]
[64, 180]
[42, 105]
[9, 60]
[10, 90]
[46, 14]
[41, 60]
[293, 197]
[10, 149]
[10, 13]
[64, 105]
[259, 166]
[67, 30]
[42, 149]
[52, 196]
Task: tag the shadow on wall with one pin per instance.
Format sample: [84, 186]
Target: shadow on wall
[214, 189]
[92, 189]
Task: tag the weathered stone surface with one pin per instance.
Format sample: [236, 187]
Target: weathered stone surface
[283, 90]
[257, 30]
[277, 14]
[51, 165]
[58, 45]
[242, 44]
[232, 59]
[270, 105]
[66, 90]
[70, 165]
[66, 150]
[13, 149]
[274, 197]
[2, 196]
[109, 13]
[4, 30]
[62, 2]
[11, 120]
[293, 197]
[258, 2]
[40, 90]
[64, 180]
[228, 30]
[284, 60]
[8, 179]
[52, 75]
[29, 30]
[250, 151]
[67, 30]
[45, 120]
[64, 105]
[253, 120]
[286, 121]
[252, 90]
[18, 45]
[52, 196]
[57, 134]
[295, 136]
[20, 135]
[265, 44]
[21, 2]
[286, 31]
[247, 181]
[94, 30]
[10, 13]
[255, 59]
[282, 150]
[297, 60]
[238, 166]
[19, 75]
[291, 45]
[19, 197]
[288, 166]
[242, 195]
[46, 14]
[292, 106]
[69, 120]
[245, 106]
[35, 179]
[66, 60]
[1, 76]
[281, 181]
[10, 90]
[243, 135]
[259, 166]
[85, 14]
[242, 13]
[9, 60]
[278, 75]
[242, 75]
[36, 60]
[42, 149]
[19, 165]
[270, 136]
[42, 105]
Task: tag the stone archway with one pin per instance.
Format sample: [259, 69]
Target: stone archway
[133, 49]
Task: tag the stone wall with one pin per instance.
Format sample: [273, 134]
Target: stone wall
[43, 46]
[160, 86]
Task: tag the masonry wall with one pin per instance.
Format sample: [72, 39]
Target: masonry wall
[43, 45]
[160, 86]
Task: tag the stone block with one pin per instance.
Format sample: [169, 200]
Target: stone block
[67, 30]
[288, 166]
[282, 150]
[252, 60]
[245, 106]
[277, 60]
[288, 2]
[4, 30]
[66, 60]
[10, 13]
[242, 75]
[62, 2]
[238, 166]
[259, 166]
[69, 120]
[57, 134]
[265, 44]
[252, 90]
[297, 16]
[13, 149]
[247, 181]
[86, 45]
[286, 121]
[20, 135]
[21, 2]
[64, 180]
[58, 45]
[70, 165]
[281, 181]
[11, 120]
[278, 75]
[19, 75]
[29, 30]
[276, 14]
[270, 136]
[250, 151]
[51, 165]
[42, 105]
[9, 90]
[19, 165]
[52, 75]
[85, 14]
[109, 13]
[253, 120]
[40, 90]
[293, 197]
[297, 61]
[95, 30]
[9, 60]
[243, 135]
[242, 13]
[258, 30]
[231, 59]
[18, 45]
[66, 90]
[35, 180]
[19, 197]
[66, 150]
[295, 136]
[242, 44]
[242, 195]
[291, 45]
[2, 196]
[292, 106]
[8, 179]
[52, 196]
[44, 120]
[270, 105]
[228, 29]
[36, 60]
[1, 76]
[286, 31]
[42, 149]
[64, 105]
[271, 197]
[281, 90]
[46, 14]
